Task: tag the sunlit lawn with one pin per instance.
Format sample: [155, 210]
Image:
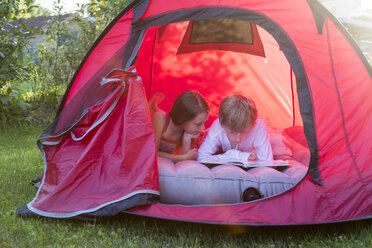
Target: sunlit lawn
[21, 162]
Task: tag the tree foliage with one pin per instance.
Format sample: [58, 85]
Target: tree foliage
[40, 76]
[14, 38]
[65, 47]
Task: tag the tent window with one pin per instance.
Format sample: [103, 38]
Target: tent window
[221, 34]
[221, 31]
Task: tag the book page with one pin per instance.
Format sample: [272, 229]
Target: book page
[278, 162]
[249, 164]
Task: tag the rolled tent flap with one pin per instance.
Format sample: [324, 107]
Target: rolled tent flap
[106, 162]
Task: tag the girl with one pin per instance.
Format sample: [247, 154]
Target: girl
[178, 128]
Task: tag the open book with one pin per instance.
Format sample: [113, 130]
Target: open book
[250, 164]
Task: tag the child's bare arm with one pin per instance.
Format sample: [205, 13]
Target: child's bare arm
[158, 124]
[187, 141]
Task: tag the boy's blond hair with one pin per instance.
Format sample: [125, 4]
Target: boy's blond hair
[237, 113]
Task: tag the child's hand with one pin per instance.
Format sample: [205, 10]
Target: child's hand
[192, 154]
[253, 156]
[187, 144]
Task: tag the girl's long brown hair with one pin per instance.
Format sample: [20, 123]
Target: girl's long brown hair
[187, 106]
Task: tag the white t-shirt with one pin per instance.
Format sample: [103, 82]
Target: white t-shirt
[217, 141]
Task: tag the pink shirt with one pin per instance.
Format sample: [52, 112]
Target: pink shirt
[217, 142]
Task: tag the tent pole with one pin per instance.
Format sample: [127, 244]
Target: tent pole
[293, 104]
[152, 63]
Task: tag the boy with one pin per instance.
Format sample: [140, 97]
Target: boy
[237, 134]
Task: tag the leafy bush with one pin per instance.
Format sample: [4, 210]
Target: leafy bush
[39, 77]
[11, 102]
[14, 42]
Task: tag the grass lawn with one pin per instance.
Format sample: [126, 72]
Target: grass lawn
[21, 162]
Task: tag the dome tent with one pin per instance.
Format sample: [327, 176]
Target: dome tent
[303, 65]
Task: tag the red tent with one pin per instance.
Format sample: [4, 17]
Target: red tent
[293, 58]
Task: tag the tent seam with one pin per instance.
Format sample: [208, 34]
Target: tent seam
[75, 213]
[340, 102]
[342, 110]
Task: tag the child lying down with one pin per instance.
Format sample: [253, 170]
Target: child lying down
[237, 135]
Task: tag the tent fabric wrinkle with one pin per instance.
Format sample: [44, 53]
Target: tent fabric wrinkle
[92, 165]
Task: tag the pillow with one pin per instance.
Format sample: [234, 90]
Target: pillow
[279, 144]
[300, 153]
[297, 133]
